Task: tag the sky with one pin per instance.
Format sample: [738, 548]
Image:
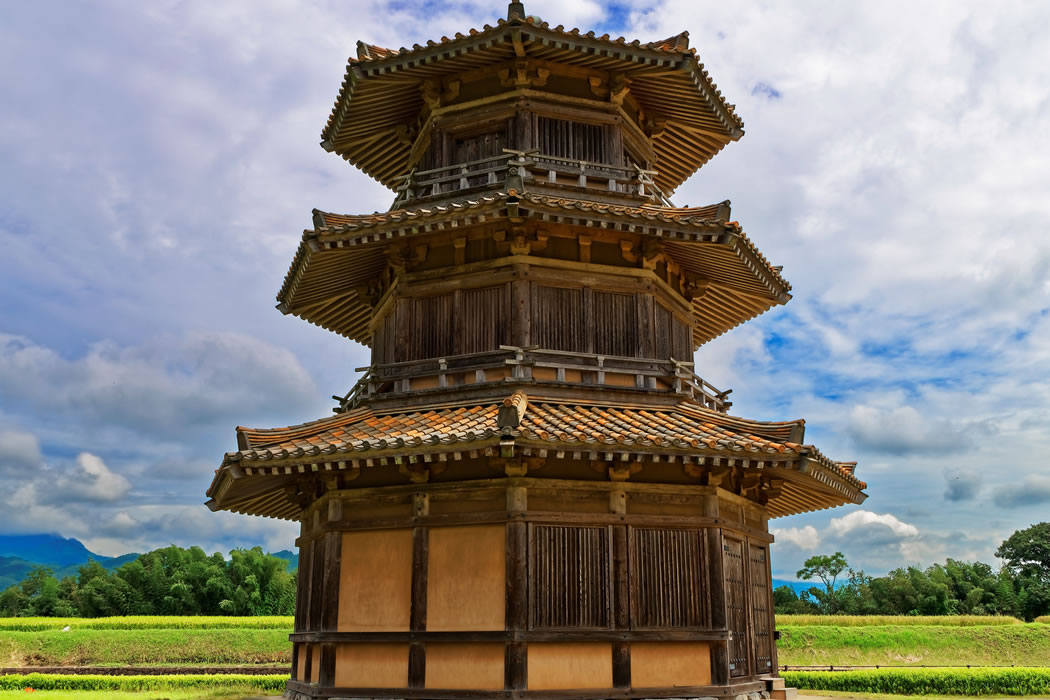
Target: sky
[159, 161]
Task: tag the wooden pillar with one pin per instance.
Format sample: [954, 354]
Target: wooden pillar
[521, 298]
[516, 653]
[717, 592]
[417, 660]
[332, 546]
[621, 662]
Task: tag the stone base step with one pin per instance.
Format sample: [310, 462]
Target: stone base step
[783, 694]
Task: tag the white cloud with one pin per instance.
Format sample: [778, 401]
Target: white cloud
[18, 450]
[1033, 490]
[805, 538]
[161, 388]
[902, 430]
[866, 520]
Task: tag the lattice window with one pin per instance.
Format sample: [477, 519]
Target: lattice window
[666, 578]
[569, 577]
[558, 137]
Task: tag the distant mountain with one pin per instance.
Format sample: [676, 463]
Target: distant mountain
[291, 557]
[20, 553]
[50, 549]
[798, 586]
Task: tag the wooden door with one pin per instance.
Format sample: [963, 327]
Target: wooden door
[761, 615]
[736, 607]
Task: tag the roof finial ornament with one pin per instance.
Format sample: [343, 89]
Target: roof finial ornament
[516, 8]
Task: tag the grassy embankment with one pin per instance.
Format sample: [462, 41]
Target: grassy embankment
[909, 641]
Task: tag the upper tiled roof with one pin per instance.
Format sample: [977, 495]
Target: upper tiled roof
[668, 81]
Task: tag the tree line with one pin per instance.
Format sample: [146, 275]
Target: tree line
[168, 581]
[1020, 588]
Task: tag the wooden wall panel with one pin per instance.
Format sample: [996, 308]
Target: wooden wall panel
[483, 320]
[430, 333]
[667, 578]
[466, 578]
[682, 341]
[570, 665]
[557, 315]
[736, 606]
[371, 666]
[375, 592]
[315, 662]
[663, 664]
[465, 666]
[761, 615]
[570, 577]
[616, 324]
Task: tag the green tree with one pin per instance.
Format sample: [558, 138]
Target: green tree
[826, 568]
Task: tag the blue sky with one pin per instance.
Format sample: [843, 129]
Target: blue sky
[160, 160]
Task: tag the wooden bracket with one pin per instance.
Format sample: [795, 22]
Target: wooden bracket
[416, 473]
[404, 258]
[621, 471]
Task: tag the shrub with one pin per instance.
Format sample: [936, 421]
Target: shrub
[924, 681]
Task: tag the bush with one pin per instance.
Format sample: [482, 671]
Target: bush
[55, 681]
[922, 681]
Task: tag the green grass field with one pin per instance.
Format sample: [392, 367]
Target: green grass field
[934, 645]
[152, 622]
[101, 647]
[882, 620]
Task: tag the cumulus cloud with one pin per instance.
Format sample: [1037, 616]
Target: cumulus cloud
[903, 430]
[961, 485]
[18, 450]
[1033, 490]
[865, 520]
[160, 388]
[805, 538]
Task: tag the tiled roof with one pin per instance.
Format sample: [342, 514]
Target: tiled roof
[667, 79]
[686, 427]
[347, 250]
[704, 217]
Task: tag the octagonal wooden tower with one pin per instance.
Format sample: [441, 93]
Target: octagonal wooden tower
[529, 493]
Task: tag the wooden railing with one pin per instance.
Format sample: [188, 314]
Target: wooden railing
[538, 366]
[531, 165]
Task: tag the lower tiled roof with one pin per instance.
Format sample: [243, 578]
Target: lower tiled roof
[686, 427]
